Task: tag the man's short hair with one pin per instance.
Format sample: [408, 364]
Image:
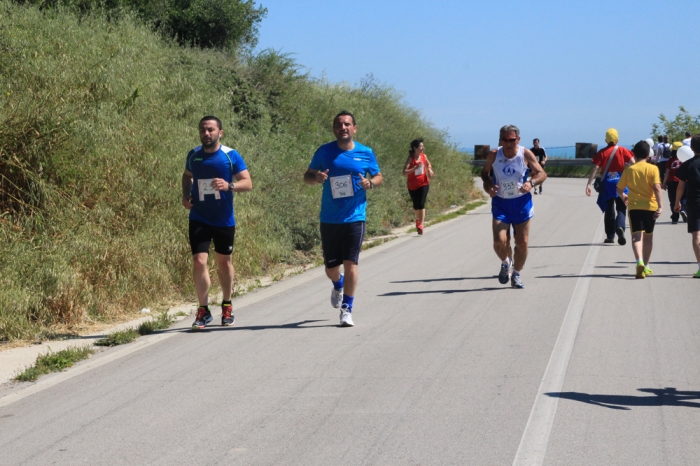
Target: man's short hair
[688, 134]
[415, 143]
[211, 118]
[695, 143]
[345, 113]
[535, 140]
[661, 139]
[507, 129]
[665, 137]
[641, 150]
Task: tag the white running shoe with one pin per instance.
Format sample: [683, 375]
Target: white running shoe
[346, 316]
[337, 296]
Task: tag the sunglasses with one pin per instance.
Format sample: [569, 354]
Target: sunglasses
[509, 140]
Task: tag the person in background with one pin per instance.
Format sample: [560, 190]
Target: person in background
[670, 182]
[541, 155]
[418, 171]
[688, 137]
[689, 175]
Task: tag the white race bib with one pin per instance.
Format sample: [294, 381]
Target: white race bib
[509, 189]
[420, 169]
[204, 187]
[341, 186]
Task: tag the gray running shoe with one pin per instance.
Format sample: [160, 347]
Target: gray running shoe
[337, 296]
[504, 274]
[346, 316]
[202, 319]
[515, 281]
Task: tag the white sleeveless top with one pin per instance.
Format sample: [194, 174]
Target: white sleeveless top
[510, 174]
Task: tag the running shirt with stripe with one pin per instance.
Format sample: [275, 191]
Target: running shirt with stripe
[510, 174]
[209, 205]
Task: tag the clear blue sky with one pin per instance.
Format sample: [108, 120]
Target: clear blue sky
[562, 71]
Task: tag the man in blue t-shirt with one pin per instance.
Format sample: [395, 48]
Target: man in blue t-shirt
[342, 167]
[212, 174]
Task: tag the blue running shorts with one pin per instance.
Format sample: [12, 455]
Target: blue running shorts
[514, 211]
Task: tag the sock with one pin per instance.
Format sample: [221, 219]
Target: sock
[417, 222]
[516, 272]
[698, 265]
[348, 300]
[507, 261]
[640, 262]
[226, 302]
[339, 284]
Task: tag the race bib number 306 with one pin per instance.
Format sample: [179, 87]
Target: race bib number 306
[204, 187]
[341, 186]
[509, 188]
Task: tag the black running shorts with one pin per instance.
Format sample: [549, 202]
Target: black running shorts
[418, 196]
[202, 234]
[341, 242]
[642, 220]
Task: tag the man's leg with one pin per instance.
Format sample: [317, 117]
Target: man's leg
[201, 277]
[351, 277]
[696, 245]
[638, 245]
[647, 245]
[521, 240]
[610, 220]
[500, 239]
[333, 274]
[420, 216]
[226, 274]
[621, 209]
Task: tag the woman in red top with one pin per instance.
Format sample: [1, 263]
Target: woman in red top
[419, 171]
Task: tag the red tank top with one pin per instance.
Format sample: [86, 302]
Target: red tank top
[419, 176]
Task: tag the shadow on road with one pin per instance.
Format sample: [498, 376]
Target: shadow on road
[217, 328]
[629, 276]
[565, 245]
[456, 279]
[653, 263]
[661, 397]
[403, 293]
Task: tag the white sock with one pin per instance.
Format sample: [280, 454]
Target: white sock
[516, 272]
[507, 261]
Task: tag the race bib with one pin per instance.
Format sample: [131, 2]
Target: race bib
[341, 186]
[509, 188]
[420, 169]
[204, 188]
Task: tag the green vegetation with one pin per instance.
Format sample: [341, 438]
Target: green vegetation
[54, 362]
[567, 172]
[676, 128]
[122, 337]
[98, 117]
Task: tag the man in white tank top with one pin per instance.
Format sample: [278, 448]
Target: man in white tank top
[511, 199]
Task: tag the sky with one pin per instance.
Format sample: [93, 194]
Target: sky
[562, 71]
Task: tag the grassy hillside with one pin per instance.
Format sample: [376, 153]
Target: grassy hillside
[97, 119]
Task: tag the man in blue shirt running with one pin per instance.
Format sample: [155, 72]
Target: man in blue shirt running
[342, 167]
[207, 192]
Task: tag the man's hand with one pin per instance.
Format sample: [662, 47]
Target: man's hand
[321, 176]
[625, 199]
[187, 203]
[491, 189]
[657, 214]
[219, 184]
[364, 182]
[588, 190]
[664, 186]
[677, 206]
[526, 187]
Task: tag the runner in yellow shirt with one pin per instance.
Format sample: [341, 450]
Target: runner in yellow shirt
[644, 204]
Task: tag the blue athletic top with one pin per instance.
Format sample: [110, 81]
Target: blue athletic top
[211, 206]
[343, 199]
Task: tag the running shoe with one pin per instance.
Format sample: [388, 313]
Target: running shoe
[648, 271]
[609, 240]
[346, 316]
[640, 271]
[227, 317]
[419, 228]
[697, 274]
[516, 282]
[620, 236]
[504, 274]
[202, 319]
[684, 215]
[337, 296]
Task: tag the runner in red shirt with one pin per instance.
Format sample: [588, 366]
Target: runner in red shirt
[670, 182]
[419, 171]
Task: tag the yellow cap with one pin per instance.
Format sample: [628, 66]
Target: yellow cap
[611, 136]
[677, 145]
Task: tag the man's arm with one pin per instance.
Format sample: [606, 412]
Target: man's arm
[489, 186]
[659, 200]
[315, 176]
[679, 194]
[187, 190]
[244, 183]
[591, 177]
[538, 174]
[371, 182]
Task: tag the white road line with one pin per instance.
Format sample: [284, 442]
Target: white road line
[533, 444]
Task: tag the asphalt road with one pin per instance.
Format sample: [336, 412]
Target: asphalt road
[585, 366]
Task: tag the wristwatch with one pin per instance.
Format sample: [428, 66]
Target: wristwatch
[230, 187]
[371, 184]
[532, 184]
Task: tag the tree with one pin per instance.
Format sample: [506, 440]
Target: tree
[676, 128]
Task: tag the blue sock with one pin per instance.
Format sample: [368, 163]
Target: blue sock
[348, 300]
[339, 284]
